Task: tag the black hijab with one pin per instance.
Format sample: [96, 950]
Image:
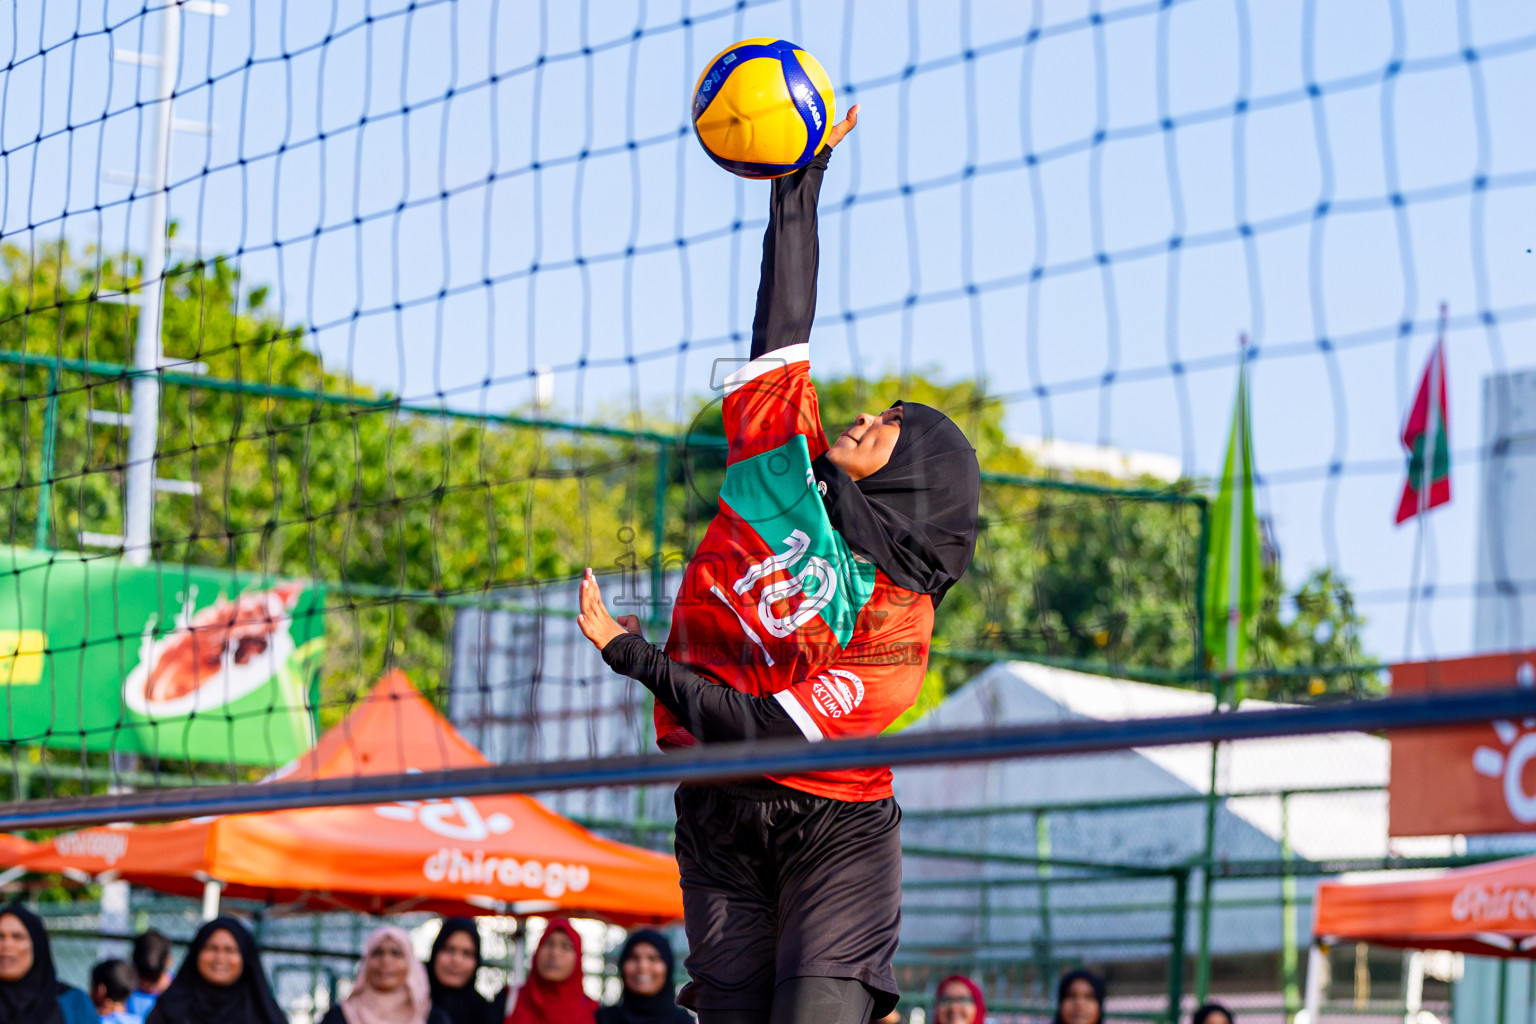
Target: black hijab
[1065, 985]
[1210, 1010]
[462, 1005]
[192, 999]
[634, 1008]
[915, 517]
[33, 998]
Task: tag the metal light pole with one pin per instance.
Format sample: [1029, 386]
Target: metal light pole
[144, 408]
[144, 414]
[143, 418]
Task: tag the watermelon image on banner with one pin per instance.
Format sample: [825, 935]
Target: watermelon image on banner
[163, 660]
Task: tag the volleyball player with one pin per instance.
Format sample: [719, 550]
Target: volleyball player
[807, 611]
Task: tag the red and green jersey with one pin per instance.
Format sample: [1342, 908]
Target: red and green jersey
[774, 603]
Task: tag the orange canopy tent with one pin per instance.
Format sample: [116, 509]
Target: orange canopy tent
[14, 853]
[505, 854]
[14, 849]
[1488, 910]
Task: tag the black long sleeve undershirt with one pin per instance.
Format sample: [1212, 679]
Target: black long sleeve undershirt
[786, 291]
[710, 712]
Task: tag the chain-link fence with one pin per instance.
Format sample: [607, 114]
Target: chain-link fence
[1171, 898]
[1014, 895]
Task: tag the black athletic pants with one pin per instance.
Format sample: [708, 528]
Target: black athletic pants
[781, 886]
[806, 1001]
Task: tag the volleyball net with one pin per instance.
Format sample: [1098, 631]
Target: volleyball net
[336, 341]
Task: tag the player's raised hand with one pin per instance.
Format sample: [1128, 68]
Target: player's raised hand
[843, 127]
[593, 618]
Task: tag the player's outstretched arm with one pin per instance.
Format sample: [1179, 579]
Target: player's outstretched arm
[786, 292]
[712, 713]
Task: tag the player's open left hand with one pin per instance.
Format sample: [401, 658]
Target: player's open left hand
[843, 127]
[593, 618]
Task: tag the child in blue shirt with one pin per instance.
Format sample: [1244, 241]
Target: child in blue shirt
[112, 982]
[151, 963]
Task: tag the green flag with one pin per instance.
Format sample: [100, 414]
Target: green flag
[1234, 571]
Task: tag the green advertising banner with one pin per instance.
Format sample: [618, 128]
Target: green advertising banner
[167, 661]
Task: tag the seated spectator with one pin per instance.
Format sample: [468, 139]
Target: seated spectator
[220, 981]
[30, 990]
[391, 985]
[958, 1000]
[112, 982]
[649, 996]
[152, 962]
[1213, 1013]
[553, 993]
[451, 971]
[1080, 998]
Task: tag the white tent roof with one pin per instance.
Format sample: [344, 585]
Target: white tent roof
[1022, 692]
[1123, 917]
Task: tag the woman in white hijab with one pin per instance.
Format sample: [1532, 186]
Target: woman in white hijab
[391, 986]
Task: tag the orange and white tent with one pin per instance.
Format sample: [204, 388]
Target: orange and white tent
[501, 854]
[14, 853]
[1488, 910]
[14, 849]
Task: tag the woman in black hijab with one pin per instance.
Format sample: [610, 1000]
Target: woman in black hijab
[1080, 998]
[649, 997]
[220, 981]
[1213, 1013]
[30, 990]
[914, 516]
[805, 611]
[451, 971]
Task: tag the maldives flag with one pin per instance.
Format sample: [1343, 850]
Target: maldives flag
[1428, 443]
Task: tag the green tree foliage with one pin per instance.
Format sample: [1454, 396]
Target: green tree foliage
[406, 515]
[327, 480]
[1065, 571]
[1314, 627]
[1095, 578]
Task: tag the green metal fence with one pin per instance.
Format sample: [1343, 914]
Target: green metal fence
[406, 513]
[1092, 576]
[1142, 926]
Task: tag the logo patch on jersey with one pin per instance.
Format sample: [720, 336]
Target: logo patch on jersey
[837, 692]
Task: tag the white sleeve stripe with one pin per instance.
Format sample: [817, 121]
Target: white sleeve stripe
[799, 715]
[767, 363]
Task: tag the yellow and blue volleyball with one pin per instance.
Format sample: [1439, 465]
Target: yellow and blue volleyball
[763, 108]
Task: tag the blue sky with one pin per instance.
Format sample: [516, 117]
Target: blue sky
[1050, 196]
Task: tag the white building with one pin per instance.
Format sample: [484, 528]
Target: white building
[1505, 618]
[1078, 457]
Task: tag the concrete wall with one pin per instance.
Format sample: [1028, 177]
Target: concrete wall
[1504, 619]
[1505, 610]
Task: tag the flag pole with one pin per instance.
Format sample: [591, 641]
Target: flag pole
[1413, 580]
[1426, 478]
